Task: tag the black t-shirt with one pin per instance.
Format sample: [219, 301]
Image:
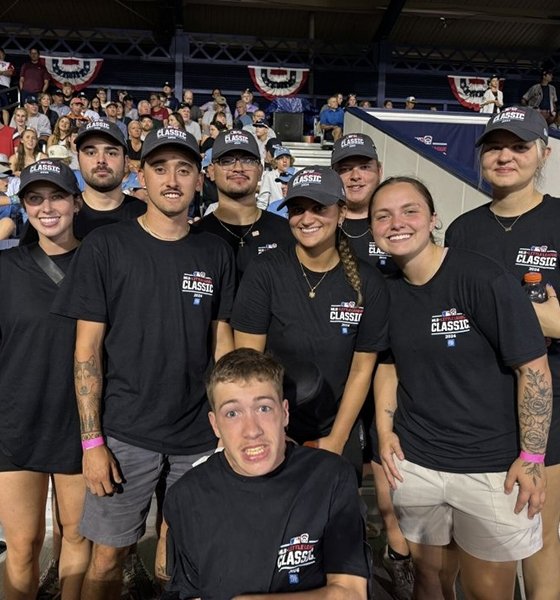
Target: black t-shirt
[89, 218]
[39, 428]
[359, 235]
[132, 153]
[279, 533]
[313, 338]
[269, 232]
[159, 300]
[532, 245]
[454, 341]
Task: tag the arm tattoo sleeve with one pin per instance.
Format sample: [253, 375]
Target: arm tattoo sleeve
[535, 411]
[88, 382]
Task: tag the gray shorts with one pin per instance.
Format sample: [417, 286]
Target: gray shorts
[120, 520]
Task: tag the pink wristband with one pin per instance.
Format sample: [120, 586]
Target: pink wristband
[93, 443]
[535, 458]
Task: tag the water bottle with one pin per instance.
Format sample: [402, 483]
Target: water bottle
[535, 288]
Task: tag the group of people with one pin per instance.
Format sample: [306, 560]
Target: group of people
[133, 340]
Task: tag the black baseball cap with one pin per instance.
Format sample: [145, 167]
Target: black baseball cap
[235, 139]
[526, 123]
[272, 144]
[100, 127]
[31, 100]
[353, 144]
[321, 184]
[169, 136]
[49, 171]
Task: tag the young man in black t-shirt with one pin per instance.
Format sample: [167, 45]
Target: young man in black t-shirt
[265, 517]
[236, 169]
[152, 298]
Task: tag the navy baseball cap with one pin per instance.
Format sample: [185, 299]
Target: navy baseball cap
[321, 184]
[49, 171]
[31, 100]
[353, 144]
[103, 128]
[526, 123]
[235, 139]
[169, 136]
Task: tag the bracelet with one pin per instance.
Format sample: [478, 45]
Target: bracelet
[535, 458]
[93, 443]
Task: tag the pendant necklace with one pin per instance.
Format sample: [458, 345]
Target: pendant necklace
[509, 227]
[312, 288]
[354, 237]
[241, 238]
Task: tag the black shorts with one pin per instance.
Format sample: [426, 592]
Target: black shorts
[7, 465]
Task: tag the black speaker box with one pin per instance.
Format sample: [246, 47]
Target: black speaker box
[288, 126]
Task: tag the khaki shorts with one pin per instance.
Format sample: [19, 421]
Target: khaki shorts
[434, 507]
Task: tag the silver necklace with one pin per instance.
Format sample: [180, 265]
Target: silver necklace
[353, 237]
[508, 228]
[312, 288]
[241, 238]
[161, 237]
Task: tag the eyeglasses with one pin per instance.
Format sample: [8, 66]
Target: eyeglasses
[228, 162]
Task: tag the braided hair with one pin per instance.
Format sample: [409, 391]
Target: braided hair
[350, 265]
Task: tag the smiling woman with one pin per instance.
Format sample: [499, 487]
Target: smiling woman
[460, 328]
[519, 229]
[321, 312]
[39, 432]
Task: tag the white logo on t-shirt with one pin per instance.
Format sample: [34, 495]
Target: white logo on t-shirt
[298, 552]
[537, 257]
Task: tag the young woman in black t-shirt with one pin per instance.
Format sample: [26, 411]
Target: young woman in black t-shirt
[320, 312]
[519, 229]
[464, 337]
[39, 432]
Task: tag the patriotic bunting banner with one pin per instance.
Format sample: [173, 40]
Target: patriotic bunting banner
[469, 90]
[80, 72]
[273, 82]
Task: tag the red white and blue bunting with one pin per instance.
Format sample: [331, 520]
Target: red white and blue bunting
[80, 72]
[469, 90]
[273, 82]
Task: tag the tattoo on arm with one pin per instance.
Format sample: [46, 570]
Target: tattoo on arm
[390, 412]
[535, 411]
[88, 382]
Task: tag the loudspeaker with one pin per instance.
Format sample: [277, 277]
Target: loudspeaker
[288, 126]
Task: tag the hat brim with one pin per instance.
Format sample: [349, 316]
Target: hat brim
[322, 198]
[523, 134]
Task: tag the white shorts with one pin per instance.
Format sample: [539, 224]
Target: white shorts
[434, 507]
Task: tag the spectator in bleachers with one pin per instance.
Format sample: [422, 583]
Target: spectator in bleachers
[6, 139]
[196, 113]
[19, 123]
[33, 76]
[61, 132]
[351, 101]
[95, 106]
[410, 103]
[147, 124]
[176, 121]
[129, 110]
[39, 429]
[388, 104]
[122, 118]
[259, 116]
[208, 141]
[7, 223]
[27, 153]
[242, 117]
[88, 112]
[272, 144]
[216, 92]
[134, 145]
[158, 111]
[58, 105]
[171, 102]
[191, 125]
[251, 105]
[218, 106]
[493, 98]
[38, 121]
[367, 104]
[102, 95]
[144, 108]
[76, 114]
[6, 72]
[45, 108]
[331, 120]
[270, 189]
[542, 96]
[111, 117]
[67, 92]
